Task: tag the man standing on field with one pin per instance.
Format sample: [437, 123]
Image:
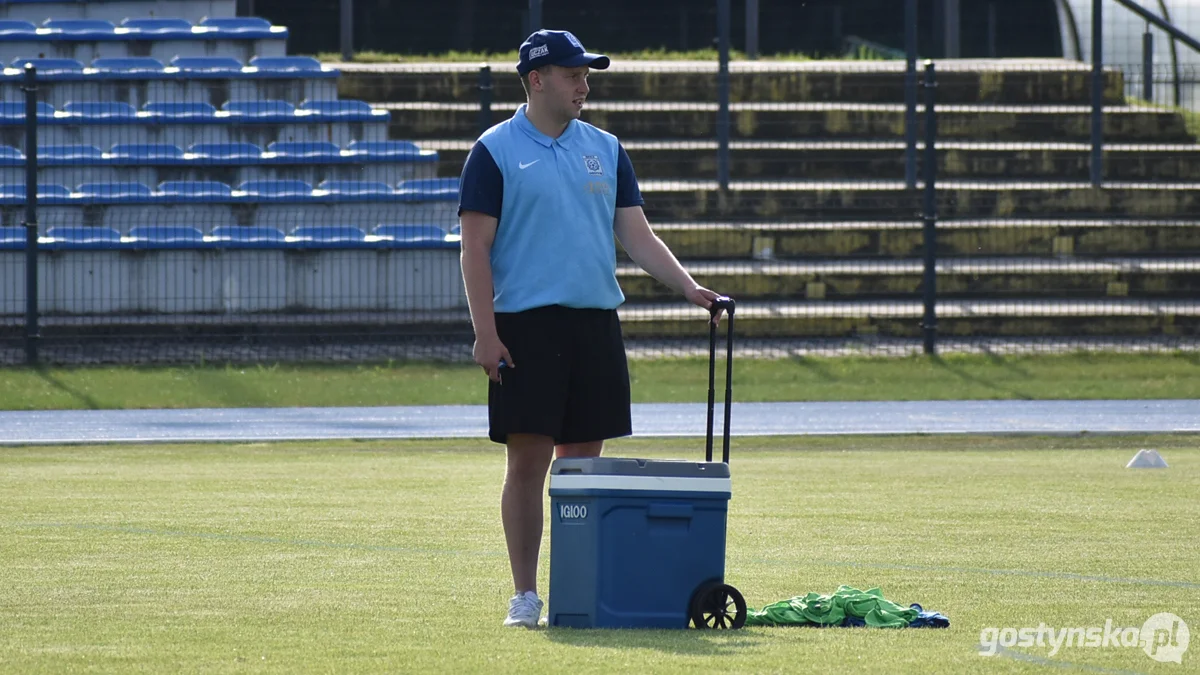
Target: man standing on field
[541, 196]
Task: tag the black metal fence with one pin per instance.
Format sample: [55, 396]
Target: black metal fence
[872, 206]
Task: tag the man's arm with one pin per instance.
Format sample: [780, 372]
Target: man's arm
[651, 254]
[481, 189]
[478, 234]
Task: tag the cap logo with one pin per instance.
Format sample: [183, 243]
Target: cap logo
[574, 41]
[539, 51]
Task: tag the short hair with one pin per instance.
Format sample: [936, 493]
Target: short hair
[525, 78]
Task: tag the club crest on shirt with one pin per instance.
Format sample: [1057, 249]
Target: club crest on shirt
[592, 162]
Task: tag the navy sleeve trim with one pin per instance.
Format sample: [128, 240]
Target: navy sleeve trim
[481, 186]
[628, 191]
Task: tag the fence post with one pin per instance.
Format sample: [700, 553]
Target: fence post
[751, 29]
[347, 30]
[723, 20]
[910, 94]
[929, 226]
[485, 98]
[952, 28]
[32, 331]
[1097, 159]
[1148, 65]
[535, 16]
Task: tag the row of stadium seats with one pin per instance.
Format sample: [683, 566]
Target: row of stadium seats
[115, 10]
[173, 192]
[155, 28]
[149, 68]
[225, 236]
[167, 154]
[262, 111]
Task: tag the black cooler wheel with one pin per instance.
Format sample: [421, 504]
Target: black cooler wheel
[718, 605]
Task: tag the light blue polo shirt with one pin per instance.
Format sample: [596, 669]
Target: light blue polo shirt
[555, 200]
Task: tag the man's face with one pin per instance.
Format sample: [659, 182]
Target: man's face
[564, 90]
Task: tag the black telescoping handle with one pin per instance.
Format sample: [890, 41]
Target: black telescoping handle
[727, 304]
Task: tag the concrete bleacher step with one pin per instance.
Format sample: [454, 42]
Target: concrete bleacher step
[835, 160]
[815, 121]
[902, 318]
[1049, 81]
[858, 200]
[892, 239]
[1021, 277]
[115, 10]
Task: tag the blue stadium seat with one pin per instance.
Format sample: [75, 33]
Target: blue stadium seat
[244, 27]
[257, 236]
[330, 236]
[196, 190]
[158, 28]
[261, 111]
[155, 152]
[76, 154]
[12, 112]
[101, 110]
[166, 236]
[12, 238]
[11, 28]
[47, 67]
[130, 64]
[348, 110]
[207, 64]
[356, 188]
[286, 64]
[415, 236]
[242, 152]
[428, 189]
[289, 190]
[117, 191]
[86, 237]
[295, 150]
[389, 150]
[181, 111]
[10, 192]
[83, 29]
[10, 156]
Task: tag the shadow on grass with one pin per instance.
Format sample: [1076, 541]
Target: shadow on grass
[86, 400]
[229, 386]
[688, 641]
[818, 368]
[966, 376]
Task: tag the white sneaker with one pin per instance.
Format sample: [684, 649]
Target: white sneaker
[524, 609]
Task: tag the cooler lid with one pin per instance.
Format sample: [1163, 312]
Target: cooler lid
[621, 466]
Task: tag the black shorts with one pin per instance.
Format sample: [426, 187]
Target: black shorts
[571, 380]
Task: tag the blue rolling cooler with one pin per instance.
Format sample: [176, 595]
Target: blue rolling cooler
[638, 543]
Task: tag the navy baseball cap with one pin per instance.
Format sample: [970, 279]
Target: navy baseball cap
[556, 48]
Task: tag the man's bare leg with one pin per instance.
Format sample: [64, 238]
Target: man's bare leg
[592, 449]
[529, 457]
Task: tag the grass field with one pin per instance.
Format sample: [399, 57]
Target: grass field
[388, 557]
[954, 377]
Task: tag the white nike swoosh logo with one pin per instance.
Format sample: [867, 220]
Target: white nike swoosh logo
[523, 165]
